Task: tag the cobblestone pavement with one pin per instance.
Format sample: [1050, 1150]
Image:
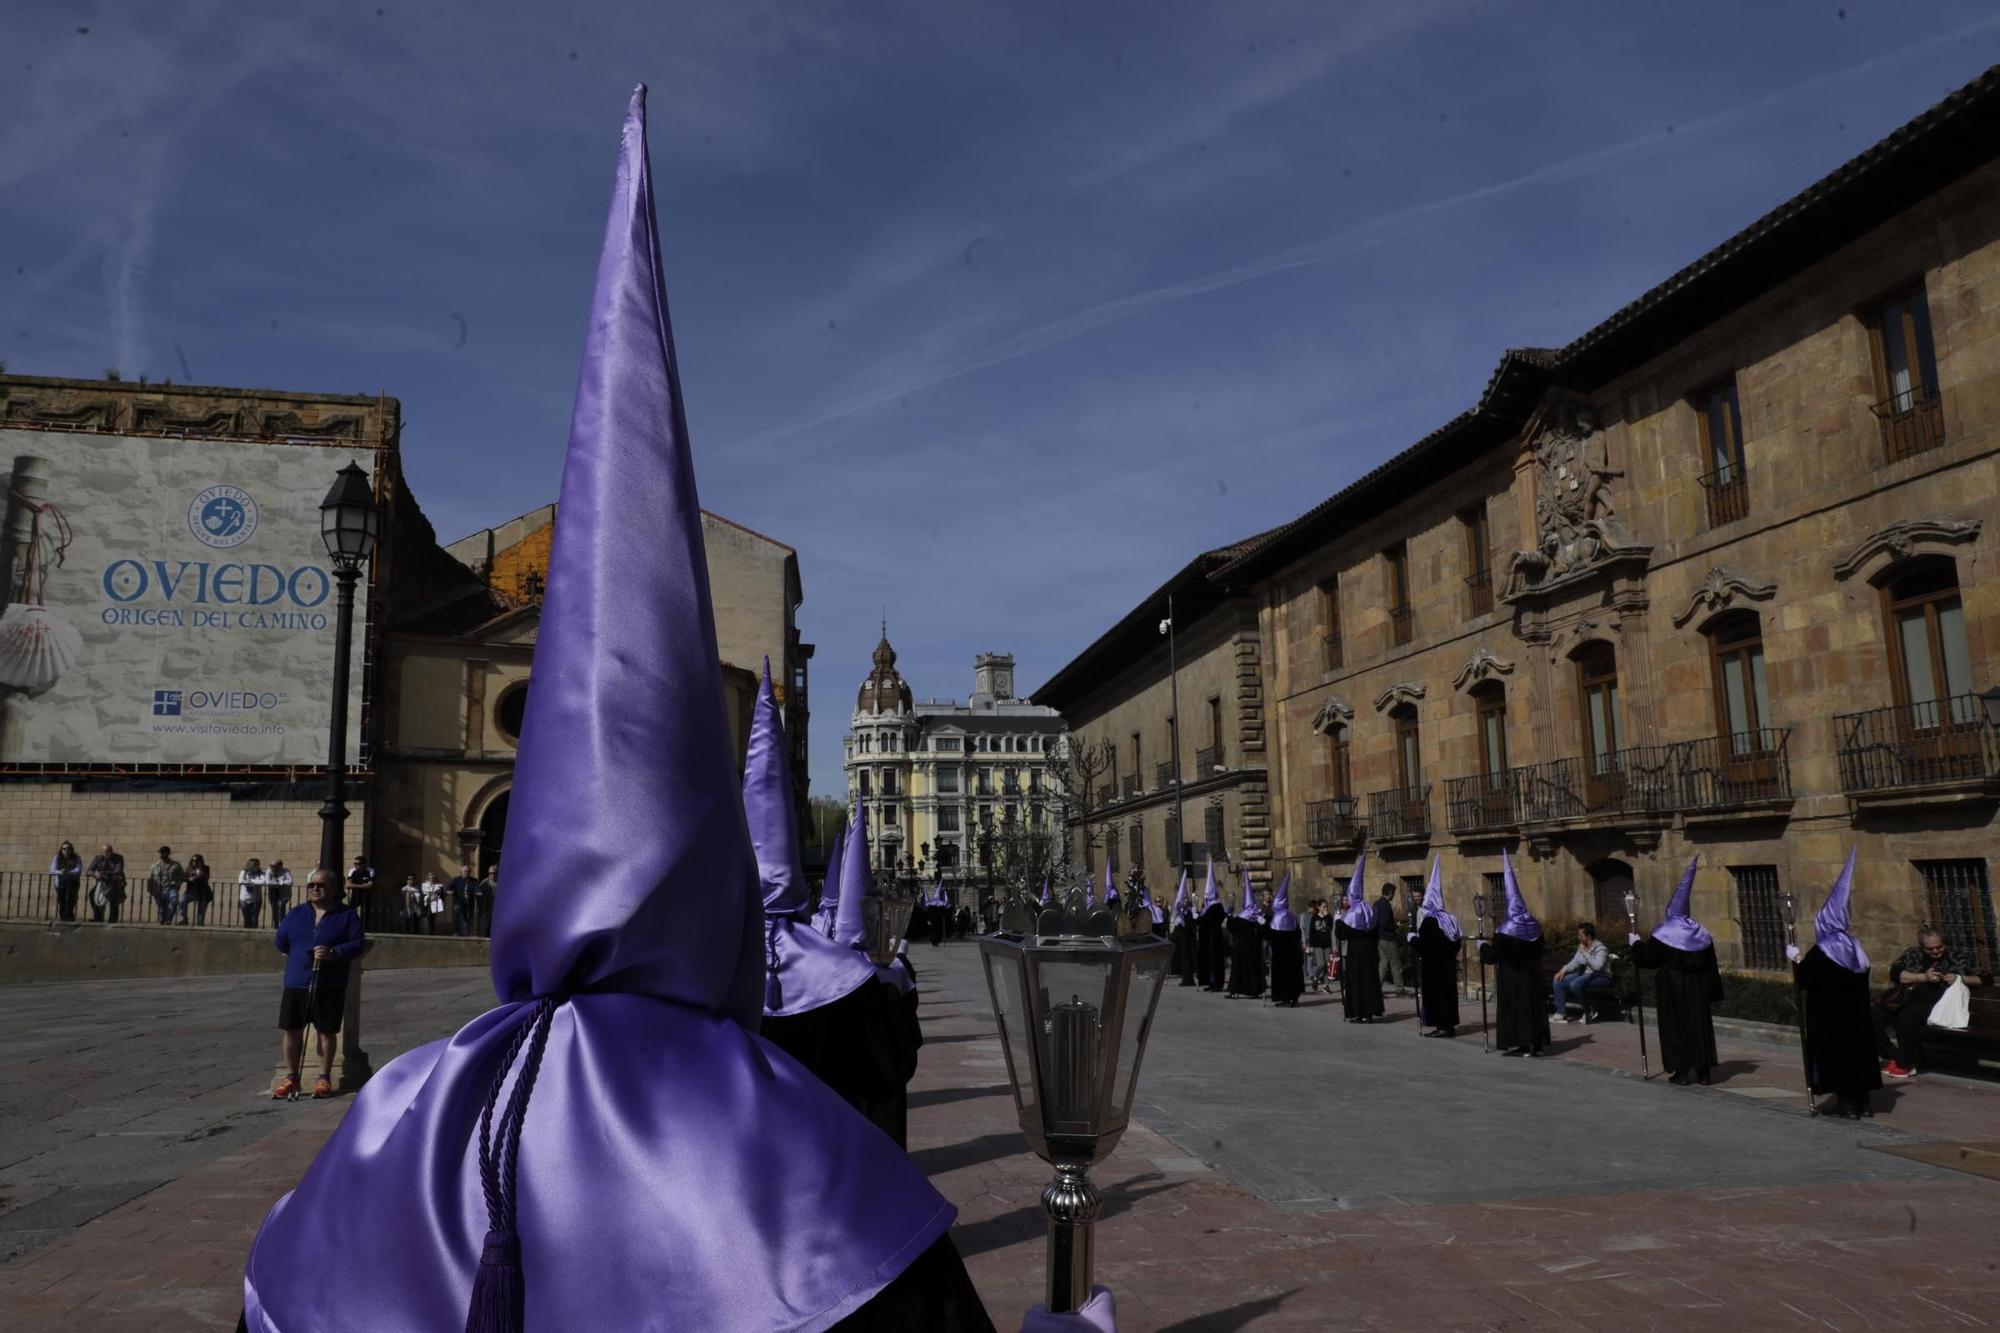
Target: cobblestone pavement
[1287, 1171]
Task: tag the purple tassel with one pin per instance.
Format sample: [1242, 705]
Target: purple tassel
[774, 994]
[499, 1301]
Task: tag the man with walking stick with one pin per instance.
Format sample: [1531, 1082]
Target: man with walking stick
[319, 938]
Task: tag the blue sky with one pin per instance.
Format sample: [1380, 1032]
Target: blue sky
[997, 312]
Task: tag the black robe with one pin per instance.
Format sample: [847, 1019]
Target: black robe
[1246, 957]
[863, 1046]
[1521, 996]
[1211, 947]
[1437, 975]
[940, 917]
[1685, 985]
[1360, 971]
[1288, 964]
[1840, 1034]
[1183, 964]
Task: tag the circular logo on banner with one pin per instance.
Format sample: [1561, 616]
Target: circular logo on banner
[223, 517]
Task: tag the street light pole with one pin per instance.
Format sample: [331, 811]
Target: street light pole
[1174, 733]
[349, 525]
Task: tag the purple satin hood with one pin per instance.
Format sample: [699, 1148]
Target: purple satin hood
[1679, 930]
[1830, 931]
[1247, 910]
[804, 969]
[1211, 896]
[1046, 899]
[829, 888]
[1281, 906]
[1433, 904]
[1359, 915]
[1183, 905]
[672, 1165]
[1518, 921]
[850, 921]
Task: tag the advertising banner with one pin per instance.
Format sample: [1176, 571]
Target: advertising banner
[169, 601]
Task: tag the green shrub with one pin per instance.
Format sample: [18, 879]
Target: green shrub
[1758, 999]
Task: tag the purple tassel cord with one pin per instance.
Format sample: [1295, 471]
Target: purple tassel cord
[499, 1297]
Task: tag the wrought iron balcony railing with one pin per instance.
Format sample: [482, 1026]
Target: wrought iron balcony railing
[1482, 802]
[1737, 769]
[1163, 776]
[1728, 494]
[1130, 787]
[1332, 823]
[1714, 773]
[1640, 780]
[1400, 814]
[1206, 761]
[1916, 745]
[1912, 422]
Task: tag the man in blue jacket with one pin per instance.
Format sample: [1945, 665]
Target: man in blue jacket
[320, 938]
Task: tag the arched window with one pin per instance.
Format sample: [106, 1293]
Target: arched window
[1340, 781]
[1409, 747]
[1929, 660]
[1742, 700]
[510, 709]
[1491, 700]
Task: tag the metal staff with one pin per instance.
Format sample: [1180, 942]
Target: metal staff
[1396, 942]
[1485, 1029]
[1638, 987]
[1799, 1001]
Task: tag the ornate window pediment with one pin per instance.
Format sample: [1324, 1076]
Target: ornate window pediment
[1333, 712]
[1481, 667]
[1899, 541]
[1720, 590]
[1402, 692]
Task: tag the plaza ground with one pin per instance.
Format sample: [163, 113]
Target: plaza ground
[1284, 1170]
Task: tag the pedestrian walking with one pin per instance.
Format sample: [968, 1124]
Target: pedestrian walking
[199, 891]
[66, 870]
[278, 889]
[163, 883]
[1319, 945]
[1389, 942]
[250, 884]
[320, 938]
[107, 885]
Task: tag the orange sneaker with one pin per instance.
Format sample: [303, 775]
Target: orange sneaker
[1895, 1070]
[322, 1087]
[287, 1089]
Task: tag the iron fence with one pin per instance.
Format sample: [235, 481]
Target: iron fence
[38, 896]
[1331, 823]
[1481, 802]
[1728, 494]
[1736, 769]
[1400, 813]
[1916, 745]
[1912, 422]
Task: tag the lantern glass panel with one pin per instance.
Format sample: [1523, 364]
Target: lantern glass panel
[1006, 980]
[1072, 1040]
[1149, 971]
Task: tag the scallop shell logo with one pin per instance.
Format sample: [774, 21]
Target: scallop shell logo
[223, 517]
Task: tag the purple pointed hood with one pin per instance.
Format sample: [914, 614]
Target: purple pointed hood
[1110, 886]
[1433, 904]
[850, 919]
[1046, 892]
[1518, 921]
[804, 969]
[1679, 930]
[628, 954]
[1281, 906]
[829, 888]
[1211, 896]
[1359, 915]
[1830, 927]
[1247, 909]
[1183, 904]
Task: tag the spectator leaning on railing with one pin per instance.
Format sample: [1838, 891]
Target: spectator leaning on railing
[250, 892]
[107, 884]
[66, 869]
[198, 892]
[278, 888]
[163, 883]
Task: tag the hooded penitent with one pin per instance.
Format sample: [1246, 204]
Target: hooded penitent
[1679, 930]
[1281, 906]
[829, 889]
[1433, 904]
[1211, 896]
[1359, 915]
[1247, 909]
[804, 970]
[1183, 905]
[850, 918]
[1110, 886]
[1046, 891]
[1518, 921]
[643, 1140]
[1830, 931]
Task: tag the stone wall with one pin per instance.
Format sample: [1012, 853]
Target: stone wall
[41, 814]
[33, 952]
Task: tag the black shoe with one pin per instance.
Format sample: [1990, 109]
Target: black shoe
[1446, 1032]
[1681, 1079]
[1701, 1077]
[1518, 1052]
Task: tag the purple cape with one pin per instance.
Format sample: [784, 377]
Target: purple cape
[1679, 930]
[1518, 921]
[1433, 904]
[672, 1168]
[1281, 906]
[804, 969]
[1830, 931]
[1359, 915]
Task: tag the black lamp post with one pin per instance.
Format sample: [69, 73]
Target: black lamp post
[349, 523]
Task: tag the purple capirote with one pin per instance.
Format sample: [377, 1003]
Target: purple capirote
[1359, 915]
[663, 1140]
[1830, 926]
[1281, 906]
[1518, 921]
[1433, 904]
[1679, 930]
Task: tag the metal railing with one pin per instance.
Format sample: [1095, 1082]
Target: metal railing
[1640, 780]
[1130, 786]
[1736, 769]
[1916, 745]
[35, 895]
[1481, 802]
[1106, 794]
[1400, 813]
[1207, 761]
[1481, 584]
[1728, 494]
[1912, 422]
[1163, 775]
[1331, 823]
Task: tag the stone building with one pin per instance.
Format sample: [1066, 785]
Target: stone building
[456, 669]
[1715, 578]
[970, 792]
[1117, 696]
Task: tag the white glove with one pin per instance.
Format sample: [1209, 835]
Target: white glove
[1631, 939]
[1792, 952]
[1413, 937]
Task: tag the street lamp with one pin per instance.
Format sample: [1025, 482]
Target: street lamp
[1074, 992]
[349, 523]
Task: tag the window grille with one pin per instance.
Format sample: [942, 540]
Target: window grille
[1959, 903]
[1211, 822]
[1760, 916]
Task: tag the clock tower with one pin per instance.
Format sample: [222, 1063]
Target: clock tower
[993, 676]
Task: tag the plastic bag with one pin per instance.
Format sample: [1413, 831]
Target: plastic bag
[1953, 1009]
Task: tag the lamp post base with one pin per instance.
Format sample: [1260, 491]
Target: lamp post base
[1071, 1202]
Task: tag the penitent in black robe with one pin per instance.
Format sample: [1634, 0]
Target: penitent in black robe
[1840, 1034]
[1246, 957]
[1360, 972]
[1685, 985]
[1437, 976]
[1288, 965]
[1521, 997]
[863, 1046]
[1183, 963]
[1211, 947]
